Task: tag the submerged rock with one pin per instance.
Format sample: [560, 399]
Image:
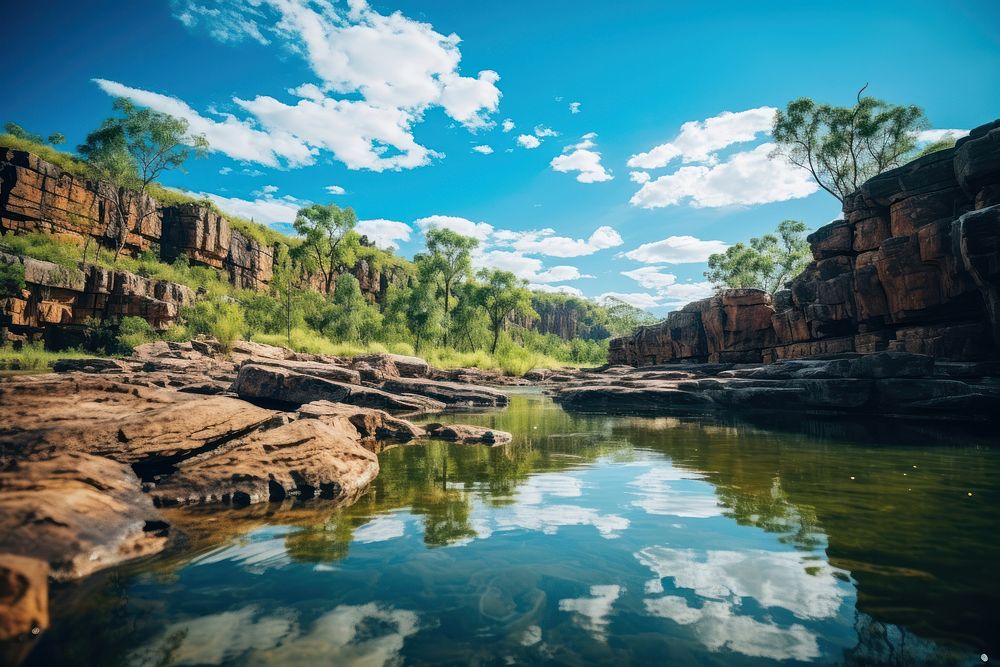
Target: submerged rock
[468, 434]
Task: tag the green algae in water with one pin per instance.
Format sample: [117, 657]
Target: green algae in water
[588, 540]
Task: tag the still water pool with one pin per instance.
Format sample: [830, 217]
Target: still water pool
[589, 540]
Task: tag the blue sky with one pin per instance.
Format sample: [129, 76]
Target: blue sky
[302, 99]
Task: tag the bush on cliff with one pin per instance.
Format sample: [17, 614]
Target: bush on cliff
[11, 279]
[766, 263]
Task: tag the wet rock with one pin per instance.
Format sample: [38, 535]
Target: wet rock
[451, 393]
[305, 458]
[369, 422]
[24, 596]
[467, 434]
[79, 513]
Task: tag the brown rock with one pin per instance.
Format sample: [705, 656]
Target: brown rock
[369, 422]
[467, 434]
[78, 512]
[24, 596]
[451, 393]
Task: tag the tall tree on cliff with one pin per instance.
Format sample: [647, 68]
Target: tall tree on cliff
[449, 257]
[502, 295]
[131, 151]
[766, 263]
[329, 239]
[842, 147]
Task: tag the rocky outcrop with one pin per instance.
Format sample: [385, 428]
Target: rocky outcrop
[914, 266]
[24, 596]
[470, 435]
[882, 384]
[63, 299]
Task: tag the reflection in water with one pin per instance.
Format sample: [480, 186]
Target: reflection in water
[813, 546]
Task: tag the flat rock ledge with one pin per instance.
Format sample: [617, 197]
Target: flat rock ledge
[89, 455]
[884, 384]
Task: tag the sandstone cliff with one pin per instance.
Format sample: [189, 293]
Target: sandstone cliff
[914, 266]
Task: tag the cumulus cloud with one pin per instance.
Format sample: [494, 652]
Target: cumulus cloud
[225, 171]
[464, 226]
[335, 190]
[574, 107]
[528, 268]
[593, 613]
[680, 294]
[376, 76]
[656, 496]
[639, 177]
[545, 242]
[750, 177]
[385, 234]
[507, 125]
[582, 158]
[484, 149]
[651, 277]
[266, 209]
[676, 250]
[541, 131]
[556, 289]
[528, 141]
[699, 140]
[930, 136]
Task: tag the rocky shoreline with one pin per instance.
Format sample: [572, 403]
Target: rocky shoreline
[91, 452]
[881, 384]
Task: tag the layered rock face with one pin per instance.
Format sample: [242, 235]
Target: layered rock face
[914, 266]
[57, 298]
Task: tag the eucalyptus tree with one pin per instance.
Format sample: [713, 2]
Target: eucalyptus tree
[328, 239]
[842, 147]
[449, 257]
[502, 295]
[130, 151]
[766, 262]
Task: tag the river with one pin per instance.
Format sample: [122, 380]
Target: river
[588, 540]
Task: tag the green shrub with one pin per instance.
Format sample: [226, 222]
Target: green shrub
[33, 357]
[67, 161]
[11, 279]
[133, 332]
[45, 248]
[222, 319]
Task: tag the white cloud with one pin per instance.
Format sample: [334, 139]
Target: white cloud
[582, 158]
[335, 190]
[657, 497]
[541, 131]
[750, 177]
[639, 177]
[266, 209]
[225, 171]
[930, 136]
[392, 67]
[680, 294]
[574, 107]
[637, 299]
[507, 125]
[528, 268]
[528, 141]
[544, 242]
[549, 518]
[484, 149]
[267, 190]
[651, 277]
[477, 230]
[676, 250]
[593, 613]
[380, 529]
[385, 234]
[699, 140]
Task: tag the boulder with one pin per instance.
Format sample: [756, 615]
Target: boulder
[79, 513]
[370, 423]
[467, 434]
[451, 393]
[304, 458]
[24, 596]
[89, 365]
[318, 369]
[283, 386]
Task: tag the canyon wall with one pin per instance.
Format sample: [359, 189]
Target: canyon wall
[913, 266]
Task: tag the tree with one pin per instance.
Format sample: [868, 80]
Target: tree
[624, 318]
[421, 311]
[327, 231]
[354, 319]
[842, 147]
[449, 256]
[57, 138]
[766, 263]
[132, 150]
[502, 295]
[16, 130]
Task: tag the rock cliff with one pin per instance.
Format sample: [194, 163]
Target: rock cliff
[914, 266]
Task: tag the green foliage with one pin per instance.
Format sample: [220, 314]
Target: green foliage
[353, 319]
[448, 261]
[417, 311]
[17, 131]
[328, 240]
[33, 357]
[766, 263]
[11, 279]
[133, 332]
[842, 147]
[624, 318]
[46, 248]
[502, 295]
[935, 146]
[221, 318]
[66, 161]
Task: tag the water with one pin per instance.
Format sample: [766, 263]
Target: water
[589, 540]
